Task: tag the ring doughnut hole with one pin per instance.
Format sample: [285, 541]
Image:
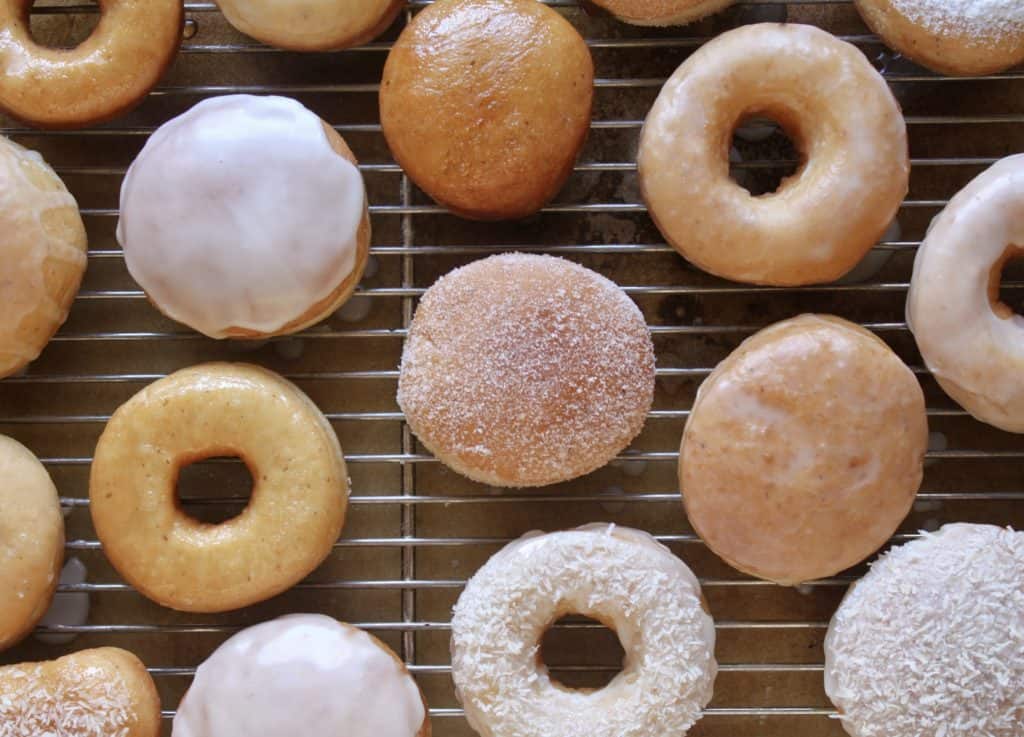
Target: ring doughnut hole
[770, 154]
[60, 30]
[214, 488]
[1006, 300]
[572, 634]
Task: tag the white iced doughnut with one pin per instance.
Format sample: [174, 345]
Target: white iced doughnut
[971, 342]
[931, 641]
[302, 674]
[618, 576]
[245, 217]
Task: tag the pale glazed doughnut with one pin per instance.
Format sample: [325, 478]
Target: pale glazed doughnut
[661, 12]
[245, 217]
[840, 115]
[804, 450]
[42, 255]
[523, 370]
[486, 103]
[299, 493]
[299, 675]
[930, 641]
[104, 76]
[31, 541]
[973, 343]
[958, 37]
[311, 25]
[621, 577]
[105, 692]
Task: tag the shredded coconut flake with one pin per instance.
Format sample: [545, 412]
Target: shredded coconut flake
[978, 19]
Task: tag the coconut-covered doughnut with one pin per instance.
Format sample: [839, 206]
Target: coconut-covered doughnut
[245, 217]
[621, 577]
[102, 77]
[661, 12]
[299, 492]
[804, 450]
[298, 675]
[840, 115]
[958, 37]
[486, 103]
[973, 343]
[42, 255]
[524, 370]
[931, 641]
[311, 25]
[105, 692]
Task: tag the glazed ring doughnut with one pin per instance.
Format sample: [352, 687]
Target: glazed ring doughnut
[973, 343]
[661, 12]
[624, 579]
[108, 73]
[839, 113]
[300, 487]
[311, 25]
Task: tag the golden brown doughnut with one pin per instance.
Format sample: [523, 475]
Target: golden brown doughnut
[31, 541]
[311, 25]
[524, 370]
[107, 74]
[103, 692]
[299, 494]
[661, 12]
[486, 103]
[804, 450]
[42, 255]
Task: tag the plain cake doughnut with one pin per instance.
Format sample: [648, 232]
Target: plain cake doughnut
[104, 76]
[31, 541]
[299, 493]
[300, 675]
[804, 450]
[245, 217]
[105, 692]
[42, 255]
[842, 118]
[957, 37]
[971, 342]
[311, 25]
[929, 642]
[661, 12]
[523, 370]
[621, 577]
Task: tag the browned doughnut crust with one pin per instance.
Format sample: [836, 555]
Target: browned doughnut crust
[486, 103]
[661, 12]
[106, 75]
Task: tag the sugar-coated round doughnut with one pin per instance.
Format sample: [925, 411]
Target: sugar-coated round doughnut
[840, 115]
[42, 255]
[245, 217]
[804, 450]
[104, 76]
[302, 674]
[311, 25]
[624, 579]
[973, 343]
[105, 692]
[31, 541]
[661, 12]
[486, 103]
[930, 641]
[523, 370]
[957, 37]
[299, 492]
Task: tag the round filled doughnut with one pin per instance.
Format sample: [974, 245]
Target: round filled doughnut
[245, 217]
[804, 450]
[661, 12]
[311, 25]
[620, 577]
[299, 493]
[929, 641]
[523, 370]
[302, 674]
[42, 255]
[956, 37]
[971, 341]
[841, 117]
[105, 691]
[104, 76]
[486, 103]
[31, 541]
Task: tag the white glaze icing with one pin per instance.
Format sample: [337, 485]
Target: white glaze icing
[303, 674]
[976, 355]
[238, 213]
[617, 575]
